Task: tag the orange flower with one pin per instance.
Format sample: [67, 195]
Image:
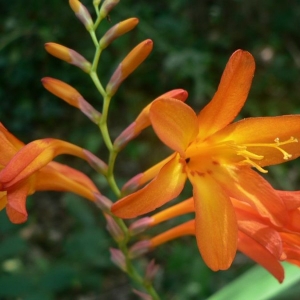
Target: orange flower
[217, 157]
[26, 169]
[258, 238]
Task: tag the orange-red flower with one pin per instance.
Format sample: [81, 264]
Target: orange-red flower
[217, 157]
[26, 169]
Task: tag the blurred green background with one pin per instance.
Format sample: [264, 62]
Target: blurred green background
[61, 252]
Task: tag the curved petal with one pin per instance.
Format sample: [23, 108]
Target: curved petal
[174, 122]
[245, 184]
[16, 203]
[34, 156]
[264, 131]
[216, 225]
[59, 177]
[164, 187]
[230, 96]
[260, 255]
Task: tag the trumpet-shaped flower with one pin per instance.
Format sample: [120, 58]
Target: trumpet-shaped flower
[26, 169]
[217, 156]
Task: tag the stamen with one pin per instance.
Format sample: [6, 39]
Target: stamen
[255, 165]
[277, 146]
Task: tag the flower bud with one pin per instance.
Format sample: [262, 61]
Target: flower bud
[128, 65]
[107, 6]
[68, 55]
[139, 226]
[139, 248]
[116, 31]
[96, 163]
[82, 13]
[118, 258]
[114, 229]
[151, 271]
[67, 93]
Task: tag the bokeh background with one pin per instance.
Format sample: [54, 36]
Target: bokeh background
[61, 252]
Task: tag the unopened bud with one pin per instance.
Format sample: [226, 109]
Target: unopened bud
[151, 271]
[139, 248]
[139, 226]
[116, 31]
[95, 162]
[82, 13]
[102, 202]
[68, 55]
[67, 93]
[118, 258]
[107, 6]
[128, 65]
[114, 229]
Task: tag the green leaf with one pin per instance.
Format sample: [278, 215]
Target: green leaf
[258, 284]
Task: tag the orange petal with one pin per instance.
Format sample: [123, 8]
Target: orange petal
[263, 131]
[3, 200]
[34, 156]
[290, 199]
[9, 145]
[16, 201]
[142, 121]
[216, 225]
[164, 187]
[140, 179]
[230, 96]
[59, 177]
[187, 228]
[174, 122]
[247, 185]
[268, 237]
[260, 255]
[179, 209]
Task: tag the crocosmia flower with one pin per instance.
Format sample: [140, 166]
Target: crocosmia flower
[26, 169]
[218, 157]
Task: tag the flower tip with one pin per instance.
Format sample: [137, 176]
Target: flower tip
[102, 202]
[16, 216]
[118, 258]
[140, 225]
[139, 249]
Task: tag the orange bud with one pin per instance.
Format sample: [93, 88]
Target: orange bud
[72, 96]
[68, 55]
[82, 13]
[117, 30]
[107, 6]
[135, 57]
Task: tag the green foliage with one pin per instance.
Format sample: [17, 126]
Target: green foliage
[62, 251]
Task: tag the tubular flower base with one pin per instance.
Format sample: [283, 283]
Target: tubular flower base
[26, 169]
[258, 238]
[217, 156]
